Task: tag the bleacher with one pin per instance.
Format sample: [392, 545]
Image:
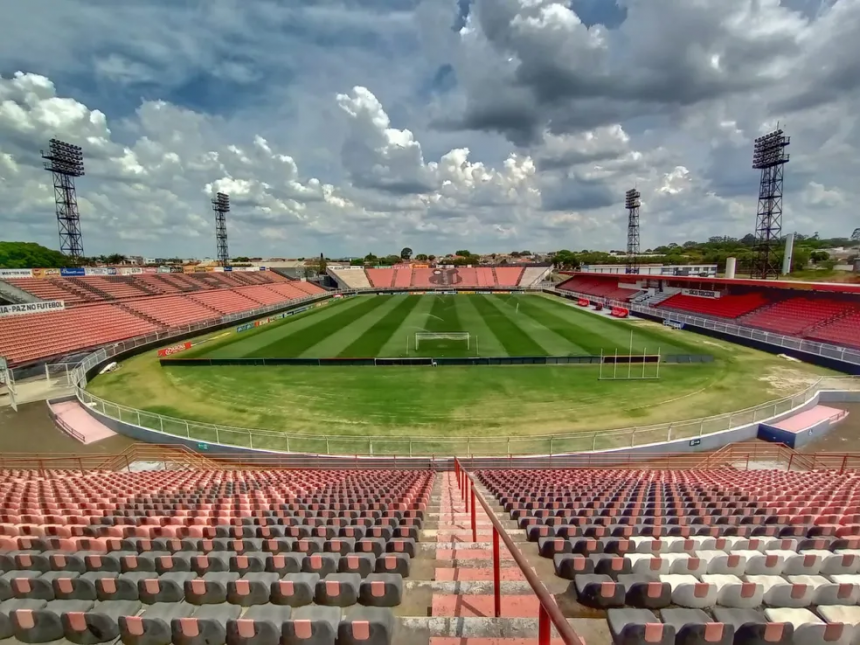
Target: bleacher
[197, 557]
[380, 278]
[842, 331]
[508, 276]
[80, 290]
[485, 277]
[261, 294]
[171, 311]
[309, 288]
[468, 277]
[225, 301]
[352, 278]
[421, 278]
[403, 278]
[727, 306]
[719, 556]
[598, 287]
[53, 289]
[532, 276]
[793, 316]
[40, 336]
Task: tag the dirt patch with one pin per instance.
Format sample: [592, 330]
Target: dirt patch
[785, 380]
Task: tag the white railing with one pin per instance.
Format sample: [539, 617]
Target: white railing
[835, 352]
[284, 440]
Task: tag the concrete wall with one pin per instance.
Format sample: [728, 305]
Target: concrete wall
[705, 443]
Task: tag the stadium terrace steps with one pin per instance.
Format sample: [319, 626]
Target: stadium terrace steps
[532, 276]
[842, 331]
[598, 287]
[225, 301]
[352, 278]
[79, 424]
[380, 278]
[53, 289]
[461, 603]
[171, 311]
[508, 276]
[727, 306]
[796, 316]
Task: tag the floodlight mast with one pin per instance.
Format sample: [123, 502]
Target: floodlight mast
[65, 162]
[770, 157]
[632, 203]
[221, 206]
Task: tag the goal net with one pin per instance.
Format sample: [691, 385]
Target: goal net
[434, 337]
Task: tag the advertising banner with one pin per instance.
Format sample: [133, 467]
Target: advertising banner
[175, 349]
[152, 270]
[163, 269]
[100, 271]
[449, 293]
[228, 268]
[16, 273]
[244, 327]
[701, 293]
[502, 292]
[484, 293]
[416, 293]
[260, 323]
[32, 308]
[673, 324]
[177, 270]
[77, 272]
[130, 271]
[218, 269]
[466, 293]
[46, 273]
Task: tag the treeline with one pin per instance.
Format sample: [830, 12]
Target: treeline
[808, 249]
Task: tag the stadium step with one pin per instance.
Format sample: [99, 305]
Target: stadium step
[449, 599]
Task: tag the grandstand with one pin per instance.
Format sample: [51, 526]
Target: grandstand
[822, 312]
[491, 277]
[102, 310]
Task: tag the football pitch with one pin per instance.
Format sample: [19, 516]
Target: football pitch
[397, 326]
[449, 409]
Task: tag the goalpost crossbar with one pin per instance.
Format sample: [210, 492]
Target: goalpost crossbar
[449, 335]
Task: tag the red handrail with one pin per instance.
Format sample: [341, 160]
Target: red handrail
[549, 613]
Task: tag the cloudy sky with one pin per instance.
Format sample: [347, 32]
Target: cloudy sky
[349, 126]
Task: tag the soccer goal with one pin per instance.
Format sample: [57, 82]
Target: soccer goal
[435, 338]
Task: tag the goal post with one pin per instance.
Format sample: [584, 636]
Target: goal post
[460, 336]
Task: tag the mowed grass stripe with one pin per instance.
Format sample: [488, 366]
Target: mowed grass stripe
[335, 343]
[579, 339]
[552, 343]
[515, 341]
[242, 344]
[416, 319]
[596, 333]
[371, 342]
[295, 344]
[443, 315]
[473, 322]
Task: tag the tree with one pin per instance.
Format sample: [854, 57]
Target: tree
[855, 236]
[357, 262]
[116, 258]
[370, 258]
[421, 257]
[431, 257]
[819, 256]
[525, 253]
[29, 255]
[514, 254]
[405, 253]
[322, 264]
[463, 253]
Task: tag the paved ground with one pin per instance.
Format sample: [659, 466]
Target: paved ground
[31, 430]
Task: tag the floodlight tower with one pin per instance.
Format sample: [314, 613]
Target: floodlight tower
[770, 157]
[65, 162]
[221, 206]
[632, 204]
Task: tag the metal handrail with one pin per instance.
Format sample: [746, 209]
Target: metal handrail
[549, 611]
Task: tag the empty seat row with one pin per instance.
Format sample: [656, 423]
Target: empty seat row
[87, 623]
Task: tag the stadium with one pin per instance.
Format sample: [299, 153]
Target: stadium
[282, 446]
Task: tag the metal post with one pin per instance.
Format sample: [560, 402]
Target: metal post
[844, 464]
[466, 493]
[497, 574]
[790, 459]
[474, 519]
[250, 439]
[187, 430]
[47, 375]
[544, 627]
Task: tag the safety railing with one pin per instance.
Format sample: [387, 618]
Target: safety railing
[501, 446]
[549, 614]
[825, 350]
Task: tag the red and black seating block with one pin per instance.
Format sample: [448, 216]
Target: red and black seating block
[251, 589]
[99, 624]
[399, 563]
[295, 589]
[752, 626]
[594, 590]
[260, 625]
[209, 589]
[694, 626]
[381, 590]
[153, 627]
[338, 589]
[568, 565]
[311, 625]
[284, 563]
[367, 626]
[645, 592]
[249, 563]
[637, 626]
[321, 563]
[361, 563]
[208, 625]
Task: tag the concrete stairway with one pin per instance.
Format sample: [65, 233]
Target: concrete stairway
[448, 598]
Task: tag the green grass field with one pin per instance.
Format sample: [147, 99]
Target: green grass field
[499, 325]
[382, 409]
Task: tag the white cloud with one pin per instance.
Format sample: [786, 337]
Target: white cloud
[368, 125]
